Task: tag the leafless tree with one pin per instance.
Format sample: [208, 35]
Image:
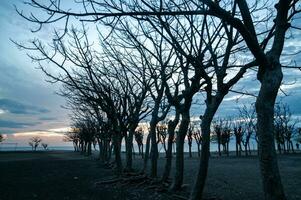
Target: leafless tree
[237, 14]
[34, 142]
[172, 124]
[162, 135]
[45, 146]
[139, 139]
[190, 138]
[238, 133]
[197, 135]
[284, 128]
[73, 136]
[247, 115]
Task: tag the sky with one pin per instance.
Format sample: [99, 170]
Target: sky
[29, 106]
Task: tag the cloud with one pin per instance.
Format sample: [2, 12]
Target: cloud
[39, 133]
[20, 108]
[47, 118]
[13, 124]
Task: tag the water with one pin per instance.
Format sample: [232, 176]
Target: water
[213, 147]
[27, 148]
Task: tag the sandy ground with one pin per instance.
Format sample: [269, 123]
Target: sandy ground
[68, 175]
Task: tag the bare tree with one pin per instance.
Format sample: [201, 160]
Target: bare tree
[172, 124]
[197, 135]
[139, 139]
[284, 128]
[73, 136]
[237, 14]
[34, 142]
[45, 146]
[162, 134]
[190, 138]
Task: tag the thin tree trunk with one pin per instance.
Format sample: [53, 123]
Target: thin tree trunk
[142, 153]
[89, 150]
[190, 154]
[129, 148]
[219, 146]
[154, 149]
[171, 133]
[236, 148]
[146, 154]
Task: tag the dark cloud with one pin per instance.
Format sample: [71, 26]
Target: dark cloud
[47, 118]
[20, 108]
[13, 124]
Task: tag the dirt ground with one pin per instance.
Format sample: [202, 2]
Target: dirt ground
[66, 175]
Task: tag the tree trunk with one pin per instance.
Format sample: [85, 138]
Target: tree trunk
[171, 133]
[154, 149]
[146, 154]
[227, 147]
[117, 151]
[178, 179]
[249, 148]
[219, 146]
[199, 184]
[292, 146]
[236, 148]
[129, 148]
[100, 146]
[89, 150]
[265, 102]
[190, 154]
[142, 150]
[246, 149]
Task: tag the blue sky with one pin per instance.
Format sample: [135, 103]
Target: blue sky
[29, 105]
[27, 102]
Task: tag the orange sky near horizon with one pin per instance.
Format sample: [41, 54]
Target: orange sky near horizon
[53, 137]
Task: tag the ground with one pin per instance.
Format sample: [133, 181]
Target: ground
[68, 175]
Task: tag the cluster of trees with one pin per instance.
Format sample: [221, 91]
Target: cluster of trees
[285, 129]
[35, 141]
[153, 58]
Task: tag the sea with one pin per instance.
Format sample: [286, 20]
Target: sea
[194, 148]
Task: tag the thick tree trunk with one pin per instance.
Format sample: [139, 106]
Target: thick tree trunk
[117, 151]
[199, 184]
[171, 133]
[270, 83]
[178, 178]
